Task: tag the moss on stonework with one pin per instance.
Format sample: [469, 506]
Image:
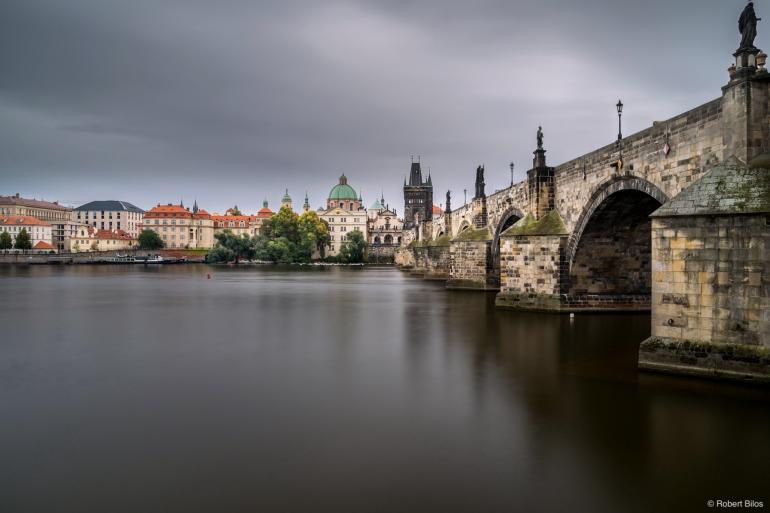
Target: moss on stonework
[728, 351]
[471, 235]
[730, 188]
[549, 224]
[444, 240]
[466, 284]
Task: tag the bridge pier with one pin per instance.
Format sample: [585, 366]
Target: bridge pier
[471, 261]
[711, 277]
[532, 260]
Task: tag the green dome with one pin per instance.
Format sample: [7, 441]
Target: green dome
[377, 206]
[342, 191]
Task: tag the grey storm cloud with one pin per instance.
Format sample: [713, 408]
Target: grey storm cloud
[232, 101]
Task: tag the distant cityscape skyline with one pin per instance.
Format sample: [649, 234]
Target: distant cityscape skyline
[118, 101]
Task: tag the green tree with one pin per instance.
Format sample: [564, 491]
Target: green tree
[5, 241]
[259, 247]
[23, 240]
[286, 238]
[354, 249]
[241, 246]
[235, 211]
[149, 239]
[283, 224]
[220, 254]
[314, 233]
[281, 250]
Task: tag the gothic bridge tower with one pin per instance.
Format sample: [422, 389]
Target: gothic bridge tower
[418, 197]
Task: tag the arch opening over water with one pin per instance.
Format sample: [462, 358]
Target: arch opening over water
[611, 253]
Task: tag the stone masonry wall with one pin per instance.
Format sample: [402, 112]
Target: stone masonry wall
[695, 139]
[438, 262]
[404, 258]
[711, 279]
[696, 144]
[420, 259]
[710, 297]
[531, 270]
[381, 254]
[470, 263]
[747, 104]
[613, 256]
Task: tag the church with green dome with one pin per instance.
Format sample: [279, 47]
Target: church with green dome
[344, 214]
[344, 196]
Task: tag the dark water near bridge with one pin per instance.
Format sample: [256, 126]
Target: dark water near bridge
[138, 390]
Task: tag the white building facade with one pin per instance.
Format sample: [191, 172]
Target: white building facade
[110, 215]
[344, 214]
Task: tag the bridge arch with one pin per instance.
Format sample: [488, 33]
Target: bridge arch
[609, 251]
[464, 226]
[509, 217]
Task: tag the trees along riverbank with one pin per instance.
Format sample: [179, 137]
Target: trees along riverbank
[149, 239]
[287, 238]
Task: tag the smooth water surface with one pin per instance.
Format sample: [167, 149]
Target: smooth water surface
[131, 389]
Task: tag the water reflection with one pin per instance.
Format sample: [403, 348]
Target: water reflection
[345, 390]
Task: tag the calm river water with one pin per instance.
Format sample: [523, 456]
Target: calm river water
[345, 390]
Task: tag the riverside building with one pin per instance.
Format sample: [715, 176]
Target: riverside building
[180, 227]
[111, 215]
[58, 216]
[343, 214]
[384, 226]
[40, 232]
[242, 225]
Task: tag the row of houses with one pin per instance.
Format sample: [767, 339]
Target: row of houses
[116, 225]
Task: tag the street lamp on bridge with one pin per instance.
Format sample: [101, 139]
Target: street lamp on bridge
[512, 166]
[620, 113]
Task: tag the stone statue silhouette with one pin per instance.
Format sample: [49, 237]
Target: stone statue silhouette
[539, 138]
[480, 182]
[448, 201]
[747, 25]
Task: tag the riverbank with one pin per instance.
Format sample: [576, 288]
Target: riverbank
[143, 257]
[105, 257]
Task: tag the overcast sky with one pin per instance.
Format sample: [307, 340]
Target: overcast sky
[231, 101]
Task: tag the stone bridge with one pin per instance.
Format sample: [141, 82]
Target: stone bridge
[578, 235]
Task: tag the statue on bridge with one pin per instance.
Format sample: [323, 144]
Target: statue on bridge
[448, 201]
[480, 182]
[747, 25]
[539, 138]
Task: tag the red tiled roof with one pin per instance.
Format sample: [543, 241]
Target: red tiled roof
[22, 221]
[43, 245]
[264, 212]
[168, 209]
[113, 235]
[437, 210]
[176, 212]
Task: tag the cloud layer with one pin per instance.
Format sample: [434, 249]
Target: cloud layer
[231, 101]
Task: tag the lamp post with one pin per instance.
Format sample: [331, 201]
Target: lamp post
[620, 113]
[512, 166]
